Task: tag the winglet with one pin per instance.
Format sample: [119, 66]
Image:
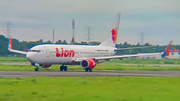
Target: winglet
[10, 44]
[166, 52]
[12, 50]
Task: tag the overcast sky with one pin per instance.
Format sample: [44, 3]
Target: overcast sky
[31, 20]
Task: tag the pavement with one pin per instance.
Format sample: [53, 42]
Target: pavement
[23, 74]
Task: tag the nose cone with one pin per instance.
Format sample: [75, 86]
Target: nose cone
[30, 56]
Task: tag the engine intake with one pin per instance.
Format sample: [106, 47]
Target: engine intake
[88, 63]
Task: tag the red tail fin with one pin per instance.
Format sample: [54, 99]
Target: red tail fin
[167, 48]
[166, 52]
[10, 44]
[112, 38]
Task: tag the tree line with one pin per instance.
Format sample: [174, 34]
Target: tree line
[25, 46]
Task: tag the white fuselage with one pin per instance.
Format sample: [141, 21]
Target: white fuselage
[65, 54]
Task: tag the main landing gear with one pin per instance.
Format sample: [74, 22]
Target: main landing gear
[63, 68]
[88, 69]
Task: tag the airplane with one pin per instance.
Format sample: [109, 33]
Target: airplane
[87, 56]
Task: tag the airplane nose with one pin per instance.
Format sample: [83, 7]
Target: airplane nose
[30, 56]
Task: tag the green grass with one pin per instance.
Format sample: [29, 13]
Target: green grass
[90, 89]
[14, 64]
[99, 67]
[12, 59]
[146, 61]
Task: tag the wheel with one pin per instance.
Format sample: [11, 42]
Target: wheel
[65, 68]
[36, 69]
[61, 68]
[86, 69]
[90, 70]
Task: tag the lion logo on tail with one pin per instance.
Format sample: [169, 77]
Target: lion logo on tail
[114, 35]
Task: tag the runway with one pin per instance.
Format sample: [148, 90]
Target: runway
[22, 74]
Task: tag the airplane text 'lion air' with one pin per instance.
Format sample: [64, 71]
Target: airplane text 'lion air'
[87, 56]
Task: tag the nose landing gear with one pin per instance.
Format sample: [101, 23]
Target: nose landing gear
[37, 69]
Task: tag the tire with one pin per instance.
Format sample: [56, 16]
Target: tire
[61, 68]
[65, 68]
[36, 69]
[90, 70]
[86, 69]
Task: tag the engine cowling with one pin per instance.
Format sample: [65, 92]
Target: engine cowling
[42, 65]
[88, 63]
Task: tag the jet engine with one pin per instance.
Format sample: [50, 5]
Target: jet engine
[88, 63]
[42, 65]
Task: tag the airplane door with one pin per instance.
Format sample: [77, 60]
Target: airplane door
[47, 52]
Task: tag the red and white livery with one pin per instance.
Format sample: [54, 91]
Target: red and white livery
[85, 55]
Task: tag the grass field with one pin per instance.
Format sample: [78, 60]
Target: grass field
[12, 59]
[100, 67]
[90, 89]
[22, 64]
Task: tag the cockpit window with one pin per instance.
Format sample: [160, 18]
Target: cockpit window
[38, 51]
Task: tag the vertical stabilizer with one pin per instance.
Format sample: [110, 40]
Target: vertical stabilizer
[112, 38]
[166, 52]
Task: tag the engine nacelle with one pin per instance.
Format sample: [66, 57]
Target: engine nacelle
[42, 65]
[88, 63]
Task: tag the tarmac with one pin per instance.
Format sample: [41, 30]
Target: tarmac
[23, 74]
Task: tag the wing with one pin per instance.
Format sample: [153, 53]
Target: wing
[116, 57]
[12, 50]
[131, 48]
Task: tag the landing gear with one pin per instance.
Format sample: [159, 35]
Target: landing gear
[63, 68]
[88, 69]
[37, 69]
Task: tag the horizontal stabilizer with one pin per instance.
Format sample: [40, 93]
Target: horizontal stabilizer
[17, 51]
[12, 50]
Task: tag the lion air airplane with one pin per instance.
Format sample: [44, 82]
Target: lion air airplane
[87, 56]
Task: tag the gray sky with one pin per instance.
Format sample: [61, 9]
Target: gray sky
[32, 20]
